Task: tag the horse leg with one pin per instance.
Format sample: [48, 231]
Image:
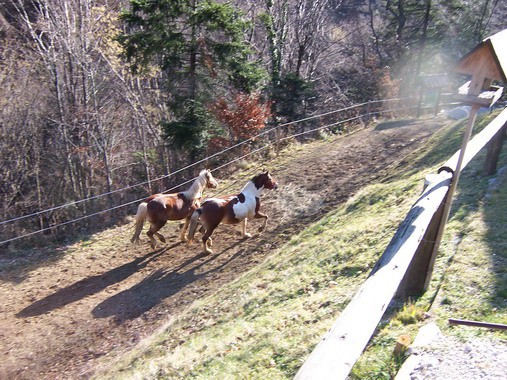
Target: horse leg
[150, 233]
[183, 234]
[160, 237]
[207, 242]
[259, 215]
[243, 229]
[154, 227]
[140, 218]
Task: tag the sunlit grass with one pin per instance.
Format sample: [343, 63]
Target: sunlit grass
[264, 325]
[470, 276]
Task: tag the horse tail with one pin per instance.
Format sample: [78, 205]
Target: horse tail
[142, 212]
[193, 224]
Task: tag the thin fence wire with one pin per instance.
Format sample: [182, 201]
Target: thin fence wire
[73, 203]
[183, 168]
[266, 146]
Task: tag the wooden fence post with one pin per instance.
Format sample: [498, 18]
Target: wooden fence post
[448, 201]
[494, 149]
[277, 141]
[437, 105]
[419, 103]
[368, 113]
[415, 279]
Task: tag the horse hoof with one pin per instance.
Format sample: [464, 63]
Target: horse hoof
[208, 252]
[247, 235]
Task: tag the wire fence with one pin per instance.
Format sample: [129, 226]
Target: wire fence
[373, 108]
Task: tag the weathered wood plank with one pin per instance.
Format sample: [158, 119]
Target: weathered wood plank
[340, 348]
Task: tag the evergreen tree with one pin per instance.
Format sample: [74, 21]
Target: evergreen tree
[200, 48]
[289, 92]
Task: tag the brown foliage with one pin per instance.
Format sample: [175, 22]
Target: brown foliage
[244, 117]
[389, 87]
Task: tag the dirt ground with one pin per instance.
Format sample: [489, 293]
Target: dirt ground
[64, 310]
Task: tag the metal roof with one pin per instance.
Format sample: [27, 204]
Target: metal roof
[435, 80]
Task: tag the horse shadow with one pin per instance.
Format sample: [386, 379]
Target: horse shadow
[161, 284]
[89, 286]
[395, 124]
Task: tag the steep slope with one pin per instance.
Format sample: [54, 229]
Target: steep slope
[97, 299]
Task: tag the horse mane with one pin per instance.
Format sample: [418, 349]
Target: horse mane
[197, 186]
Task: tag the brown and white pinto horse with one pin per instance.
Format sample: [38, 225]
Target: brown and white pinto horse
[232, 209]
[159, 208]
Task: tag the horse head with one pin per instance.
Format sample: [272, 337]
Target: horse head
[265, 179]
[211, 182]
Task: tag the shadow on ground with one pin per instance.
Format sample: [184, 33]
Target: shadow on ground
[88, 286]
[396, 124]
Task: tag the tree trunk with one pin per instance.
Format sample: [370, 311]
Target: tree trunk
[422, 42]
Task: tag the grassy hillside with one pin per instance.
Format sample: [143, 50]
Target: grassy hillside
[470, 277]
[266, 323]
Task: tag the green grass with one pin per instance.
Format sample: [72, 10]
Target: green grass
[470, 276]
[474, 283]
[264, 325]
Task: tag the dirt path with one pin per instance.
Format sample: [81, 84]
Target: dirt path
[97, 299]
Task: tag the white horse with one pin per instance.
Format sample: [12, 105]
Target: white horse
[232, 209]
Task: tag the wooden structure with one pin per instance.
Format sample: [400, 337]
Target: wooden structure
[406, 266]
[433, 82]
[484, 63]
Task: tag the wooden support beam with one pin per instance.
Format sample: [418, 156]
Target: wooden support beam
[448, 200]
[456, 164]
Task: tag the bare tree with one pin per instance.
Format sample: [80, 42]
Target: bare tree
[74, 111]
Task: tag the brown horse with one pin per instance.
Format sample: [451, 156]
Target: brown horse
[159, 208]
[232, 209]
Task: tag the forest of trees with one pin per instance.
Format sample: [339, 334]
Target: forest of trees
[98, 95]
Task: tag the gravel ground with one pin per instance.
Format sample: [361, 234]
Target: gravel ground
[436, 356]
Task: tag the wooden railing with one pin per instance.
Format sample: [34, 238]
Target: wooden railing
[405, 267]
